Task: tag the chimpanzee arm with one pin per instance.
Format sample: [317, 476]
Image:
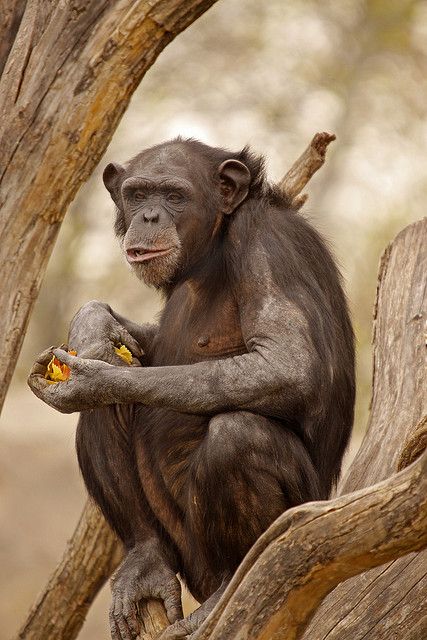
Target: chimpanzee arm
[274, 377]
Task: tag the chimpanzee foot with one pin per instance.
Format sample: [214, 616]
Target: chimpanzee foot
[185, 627]
[178, 630]
[144, 574]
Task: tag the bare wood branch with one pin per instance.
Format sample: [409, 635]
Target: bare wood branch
[415, 444]
[312, 548]
[91, 556]
[154, 619]
[305, 167]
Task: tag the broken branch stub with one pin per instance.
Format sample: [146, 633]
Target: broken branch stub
[305, 167]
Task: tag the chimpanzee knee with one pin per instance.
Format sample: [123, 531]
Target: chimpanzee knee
[248, 470]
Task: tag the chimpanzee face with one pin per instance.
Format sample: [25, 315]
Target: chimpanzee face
[168, 207]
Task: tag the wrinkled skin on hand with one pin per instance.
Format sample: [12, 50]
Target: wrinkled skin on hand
[85, 388]
[94, 332]
[144, 574]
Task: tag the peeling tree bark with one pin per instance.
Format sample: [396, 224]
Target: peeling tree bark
[70, 68]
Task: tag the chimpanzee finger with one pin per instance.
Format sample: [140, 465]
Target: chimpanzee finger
[37, 373]
[120, 621]
[38, 369]
[124, 337]
[45, 357]
[114, 630]
[173, 607]
[67, 358]
[130, 612]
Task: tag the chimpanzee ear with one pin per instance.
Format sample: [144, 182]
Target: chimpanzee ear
[235, 180]
[112, 177]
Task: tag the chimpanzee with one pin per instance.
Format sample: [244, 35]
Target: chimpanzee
[243, 404]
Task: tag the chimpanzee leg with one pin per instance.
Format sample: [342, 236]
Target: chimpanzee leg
[107, 462]
[106, 455]
[248, 470]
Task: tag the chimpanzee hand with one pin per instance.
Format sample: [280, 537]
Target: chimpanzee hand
[94, 332]
[144, 574]
[87, 387]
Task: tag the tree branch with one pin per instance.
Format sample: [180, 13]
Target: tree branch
[91, 556]
[310, 549]
[305, 167]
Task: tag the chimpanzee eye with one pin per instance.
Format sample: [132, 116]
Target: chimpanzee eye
[139, 196]
[174, 197]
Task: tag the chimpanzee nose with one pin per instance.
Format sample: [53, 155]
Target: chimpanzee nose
[151, 216]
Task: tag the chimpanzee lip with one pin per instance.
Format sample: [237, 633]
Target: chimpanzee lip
[143, 254]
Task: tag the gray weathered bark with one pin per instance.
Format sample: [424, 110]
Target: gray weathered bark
[389, 602]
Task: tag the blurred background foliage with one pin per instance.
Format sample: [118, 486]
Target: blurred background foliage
[269, 74]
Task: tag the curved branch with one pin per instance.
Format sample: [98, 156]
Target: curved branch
[415, 444]
[312, 548]
[59, 113]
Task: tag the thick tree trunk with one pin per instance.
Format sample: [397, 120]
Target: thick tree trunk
[69, 70]
[389, 602]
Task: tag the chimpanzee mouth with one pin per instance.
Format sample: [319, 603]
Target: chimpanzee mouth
[143, 254]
